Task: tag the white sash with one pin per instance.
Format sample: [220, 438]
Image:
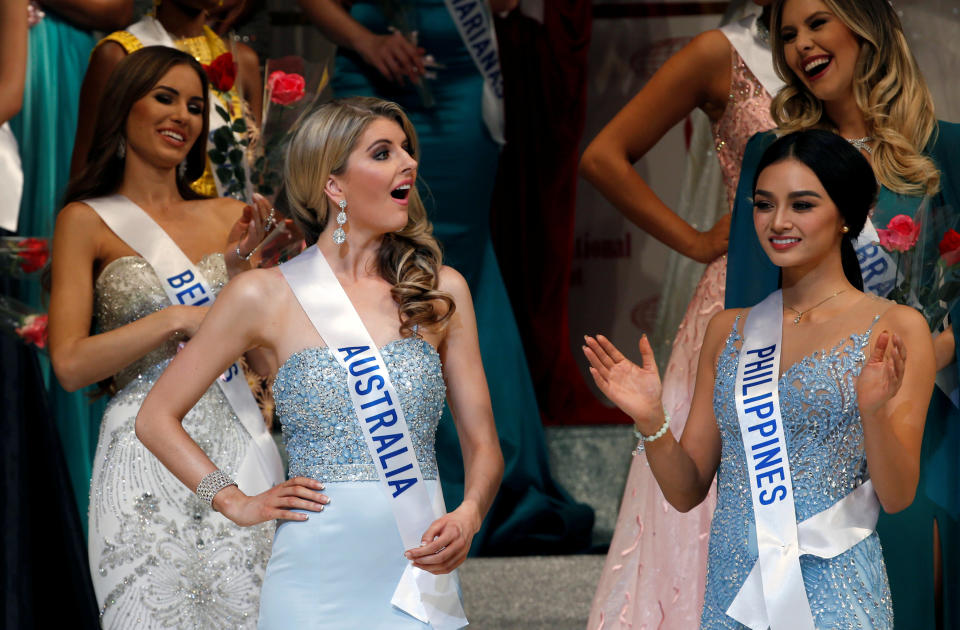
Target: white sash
[744, 35]
[183, 283]
[430, 598]
[475, 25]
[773, 595]
[151, 33]
[877, 267]
[11, 179]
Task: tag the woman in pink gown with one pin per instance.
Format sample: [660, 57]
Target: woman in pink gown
[655, 571]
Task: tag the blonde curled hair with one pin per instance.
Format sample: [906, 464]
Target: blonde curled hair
[889, 90]
[410, 258]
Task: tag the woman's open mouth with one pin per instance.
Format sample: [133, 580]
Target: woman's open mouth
[814, 67]
[402, 192]
[782, 243]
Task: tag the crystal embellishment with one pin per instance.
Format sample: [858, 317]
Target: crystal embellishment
[339, 236]
[341, 217]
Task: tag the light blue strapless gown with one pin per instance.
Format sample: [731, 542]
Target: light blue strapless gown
[824, 439]
[339, 569]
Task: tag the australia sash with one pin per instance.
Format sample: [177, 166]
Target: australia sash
[183, 283]
[430, 598]
[744, 35]
[151, 33]
[773, 595]
[475, 25]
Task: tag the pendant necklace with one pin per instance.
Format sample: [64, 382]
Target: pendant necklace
[862, 144]
[800, 314]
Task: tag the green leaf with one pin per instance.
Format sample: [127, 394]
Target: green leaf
[266, 190]
[236, 156]
[217, 157]
[239, 125]
[223, 113]
[224, 173]
[221, 141]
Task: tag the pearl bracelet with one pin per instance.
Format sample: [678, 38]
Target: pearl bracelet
[213, 483]
[656, 436]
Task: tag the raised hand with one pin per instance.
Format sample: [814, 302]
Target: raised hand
[634, 389]
[882, 374]
[278, 502]
[394, 57]
[246, 235]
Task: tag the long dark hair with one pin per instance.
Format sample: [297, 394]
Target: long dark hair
[131, 80]
[844, 173]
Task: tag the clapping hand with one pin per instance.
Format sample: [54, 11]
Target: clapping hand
[394, 56]
[634, 389]
[246, 235]
[882, 374]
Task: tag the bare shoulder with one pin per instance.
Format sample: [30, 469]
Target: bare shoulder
[78, 218]
[710, 47]
[247, 57]
[257, 289]
[906, 321]
[452, 281]
[227, 210]
[720, 327]
[106, 55]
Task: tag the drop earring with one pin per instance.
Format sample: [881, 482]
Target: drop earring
[121, 148]
[182, 170]
[339, 236]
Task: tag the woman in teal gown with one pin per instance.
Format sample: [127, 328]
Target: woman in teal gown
[532, 514]
[907, 536]
[45, 128]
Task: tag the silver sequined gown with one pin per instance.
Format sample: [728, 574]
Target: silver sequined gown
[824, 437]
[161, 558]
[339, 569]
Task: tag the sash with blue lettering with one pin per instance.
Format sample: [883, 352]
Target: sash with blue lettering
[433, 599]
[475, 25]
[773, 595]
[183, 283]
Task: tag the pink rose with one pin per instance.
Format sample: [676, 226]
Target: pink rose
[901, 234]
[34, 330]
[285, 89]
[950, 247]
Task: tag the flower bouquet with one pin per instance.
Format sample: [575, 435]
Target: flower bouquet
[23, 255]
[232, 138]
[20, 320]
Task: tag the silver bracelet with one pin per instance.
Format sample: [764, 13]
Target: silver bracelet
[656, 436]
[213, 483]
[247, 257]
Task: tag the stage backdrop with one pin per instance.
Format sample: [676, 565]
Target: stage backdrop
[616, 276]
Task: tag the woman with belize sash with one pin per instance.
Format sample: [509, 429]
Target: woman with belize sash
[808, 407]
[370, 334]
[137, 259]
[848, 69]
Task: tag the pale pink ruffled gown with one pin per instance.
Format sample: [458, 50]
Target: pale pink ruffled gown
[655, 572]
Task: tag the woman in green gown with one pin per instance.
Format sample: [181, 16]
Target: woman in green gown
[832, 54]
[532, 514]
[58, 49]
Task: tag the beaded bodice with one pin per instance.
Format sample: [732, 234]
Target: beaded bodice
[128, 289]
[824, 439]
[747, 113]
[320, 428]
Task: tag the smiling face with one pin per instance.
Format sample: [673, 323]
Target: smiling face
[163, 125]
[378, 179]
[797, 222]
[819, 48]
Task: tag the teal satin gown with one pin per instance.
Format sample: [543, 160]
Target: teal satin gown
[45, 129]
[456, 175]
[906, 537]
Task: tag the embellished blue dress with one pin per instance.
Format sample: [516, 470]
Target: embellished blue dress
[339, 569]
[824, 438]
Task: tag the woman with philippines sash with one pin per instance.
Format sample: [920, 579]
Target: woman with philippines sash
[236, 83]
[808, 407]
[438, 59]
[370, 335]
[136, 264]
[848, 69]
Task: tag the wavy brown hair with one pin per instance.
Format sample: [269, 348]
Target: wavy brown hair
[889, 90]
[410, 258]
[131, 80]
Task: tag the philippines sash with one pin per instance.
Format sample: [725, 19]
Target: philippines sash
[183, 283]
[430, 598]
[744, 35]
[475, 25]
[151, 33]
[773, 595]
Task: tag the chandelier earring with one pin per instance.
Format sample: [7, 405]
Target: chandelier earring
[339, 236]
[121, 148]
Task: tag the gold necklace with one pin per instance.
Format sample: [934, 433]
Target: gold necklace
[800, 314]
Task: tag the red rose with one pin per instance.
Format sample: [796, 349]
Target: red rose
[950, 247]
[901, 234]
[33, 254]
[285, 89]
[34, 330]
[222, 72]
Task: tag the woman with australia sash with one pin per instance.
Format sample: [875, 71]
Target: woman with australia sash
[369, 334]
[808, 408]
[848, 69]
[137, 254]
